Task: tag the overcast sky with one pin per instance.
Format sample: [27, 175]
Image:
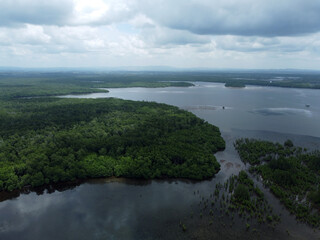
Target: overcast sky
[179, 33]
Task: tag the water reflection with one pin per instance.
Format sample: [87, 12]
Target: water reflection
[60, 187]
[282, 111]
[95, 211]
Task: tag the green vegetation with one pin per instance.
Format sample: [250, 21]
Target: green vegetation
[249, 199]
[48, 140]
[292, 174]
[30, 84]
[238, 195]
[183, 226]
[146, 84]
[235, 84]
[42, 84]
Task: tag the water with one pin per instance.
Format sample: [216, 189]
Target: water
[129, 209]
[252, 108]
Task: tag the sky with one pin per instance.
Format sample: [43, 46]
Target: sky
[245, 34]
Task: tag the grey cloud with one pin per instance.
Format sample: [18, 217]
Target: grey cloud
[236, 17]
[275, 44]
[202, 17]
[164, 37]
[15, 13]
[157, 31]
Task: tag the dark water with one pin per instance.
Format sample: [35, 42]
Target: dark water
[128, 209]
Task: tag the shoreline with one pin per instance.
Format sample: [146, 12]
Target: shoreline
[68, 185]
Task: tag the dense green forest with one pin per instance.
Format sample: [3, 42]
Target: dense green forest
[48, 140]
[291, 173]
[41, 84]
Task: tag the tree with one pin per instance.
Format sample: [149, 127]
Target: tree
[241, 193]
[288, 143]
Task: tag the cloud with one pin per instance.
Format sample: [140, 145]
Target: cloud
[164, 37]
[236, 17]
[201, 17]
[30, 35]
[276, 44]
[154, 32]
[15, 13]
[101, 12]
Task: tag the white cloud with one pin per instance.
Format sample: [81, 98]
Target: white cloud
[30, 35]
[220, 33]
[100, 12]
[86, 12]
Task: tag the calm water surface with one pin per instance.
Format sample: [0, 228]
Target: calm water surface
[252, 108]
[128, 209]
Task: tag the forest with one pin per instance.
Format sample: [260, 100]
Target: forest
[44, 84]
[291, 173]
[23, 84]
[49, 140]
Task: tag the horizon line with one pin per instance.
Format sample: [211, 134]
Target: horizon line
[155, 68]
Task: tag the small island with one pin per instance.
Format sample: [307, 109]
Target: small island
[235, 84]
